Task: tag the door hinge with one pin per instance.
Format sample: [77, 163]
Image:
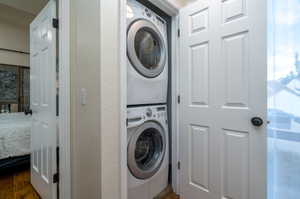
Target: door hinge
[178, 32]
[127, 122]
[56, 178]
[57, 67]
[56, 175]
[178, 99]
[178, 165]
[55, 23]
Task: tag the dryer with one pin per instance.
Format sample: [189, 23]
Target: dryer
[147, 151]
[147, 56]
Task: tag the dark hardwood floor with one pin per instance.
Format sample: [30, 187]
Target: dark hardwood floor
[17, 186]
[172, 196]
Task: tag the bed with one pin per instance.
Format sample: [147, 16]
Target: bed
[15, 131]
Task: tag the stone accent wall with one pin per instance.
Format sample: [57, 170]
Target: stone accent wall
[8, 84]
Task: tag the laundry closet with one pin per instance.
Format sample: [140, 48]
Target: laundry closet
[147, 105]
[196, 99]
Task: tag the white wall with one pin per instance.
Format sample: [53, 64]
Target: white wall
[29, 6]
[95, 133]
[110, 87]
[85, 120]
[14, 35]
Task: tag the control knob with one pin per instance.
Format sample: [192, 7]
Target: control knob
[149, 112]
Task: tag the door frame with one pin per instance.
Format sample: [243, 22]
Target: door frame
[64, 99]
[172, 11]
[175, 93]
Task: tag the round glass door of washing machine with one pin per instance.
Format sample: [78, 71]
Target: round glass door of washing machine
[146, 48]
[146, 150]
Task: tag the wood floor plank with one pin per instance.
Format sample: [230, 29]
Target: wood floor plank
[172, 196]
[6, 187]
[22, 187]
[17, 186]
[167, 193]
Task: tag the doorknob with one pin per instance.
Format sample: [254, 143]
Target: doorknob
[257, 121]
[28, 111]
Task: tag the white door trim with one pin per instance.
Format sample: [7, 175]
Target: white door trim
[172, 11]
[175, 92]
[64, 100]
[123, 96]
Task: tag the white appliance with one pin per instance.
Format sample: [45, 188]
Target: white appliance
[147, 56]
[147, 151]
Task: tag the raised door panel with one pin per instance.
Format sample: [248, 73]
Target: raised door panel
[35, 146]
[199, 21]
[235, 165]
[199, 71]
[34, 81]
[46, 155]
[233, 9]
[45, 81]
[199, 157]
[235, 62]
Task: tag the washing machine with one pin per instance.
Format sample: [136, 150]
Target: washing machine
[147, 151]
[147, 56]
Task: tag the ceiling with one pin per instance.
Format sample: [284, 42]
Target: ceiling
[180, 3]
[30, 6]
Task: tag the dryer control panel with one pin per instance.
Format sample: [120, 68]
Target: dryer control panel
[147, 13]
[136, 10]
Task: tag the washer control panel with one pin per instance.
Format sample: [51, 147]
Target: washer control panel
[156, 112]
[149, 112]
[148, 13]
[138, 115]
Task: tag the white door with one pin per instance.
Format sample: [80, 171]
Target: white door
[43, 101]
[223, 86]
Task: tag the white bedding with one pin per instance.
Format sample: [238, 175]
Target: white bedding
[15, 132]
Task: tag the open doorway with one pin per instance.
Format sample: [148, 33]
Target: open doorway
[28, 99]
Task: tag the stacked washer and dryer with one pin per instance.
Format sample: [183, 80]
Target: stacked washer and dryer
[147, 85]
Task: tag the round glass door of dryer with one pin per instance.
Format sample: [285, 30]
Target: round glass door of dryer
[146, 150]
[146, 48]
